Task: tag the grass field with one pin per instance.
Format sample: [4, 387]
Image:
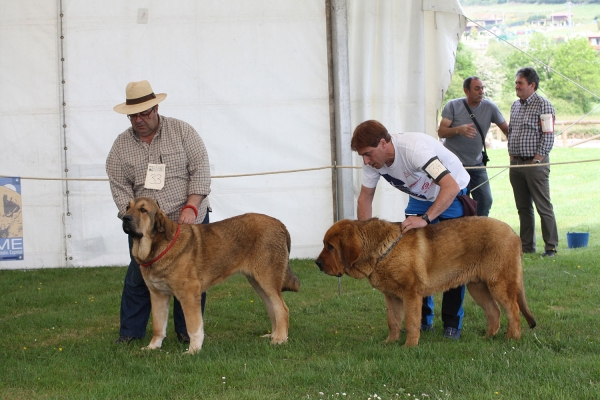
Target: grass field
[58, 328]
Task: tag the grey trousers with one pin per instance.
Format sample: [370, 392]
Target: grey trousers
[532, 185]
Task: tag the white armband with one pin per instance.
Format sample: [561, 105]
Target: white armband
[435, 169]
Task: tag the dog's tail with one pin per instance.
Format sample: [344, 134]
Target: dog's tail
[290, 281]
[524, 309]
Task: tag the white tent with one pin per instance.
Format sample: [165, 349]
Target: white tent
[258, 79]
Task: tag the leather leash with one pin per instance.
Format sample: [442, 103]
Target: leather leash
[389, 249]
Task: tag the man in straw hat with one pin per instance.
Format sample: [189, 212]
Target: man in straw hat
[165, 159]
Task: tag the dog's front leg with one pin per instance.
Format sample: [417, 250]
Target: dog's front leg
[196, 337]
[412, 322]
[193, 320]
[160, 315]
[395, 315]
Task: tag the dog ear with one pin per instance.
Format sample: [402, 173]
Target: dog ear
[160, 221]
[350, 246]
[163, 224]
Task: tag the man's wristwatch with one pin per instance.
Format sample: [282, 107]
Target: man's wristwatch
[426, 218]
[537, 161]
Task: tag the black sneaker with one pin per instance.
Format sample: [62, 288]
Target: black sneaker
[124, 339]
[549, 253]
[183, 338]
[452, 333]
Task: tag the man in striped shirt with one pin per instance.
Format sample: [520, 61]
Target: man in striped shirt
[165, 159]
[530, 140]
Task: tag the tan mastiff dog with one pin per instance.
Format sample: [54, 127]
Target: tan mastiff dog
[186, 260]
[483, 253]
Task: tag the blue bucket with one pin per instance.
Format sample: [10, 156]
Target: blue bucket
[577, 239]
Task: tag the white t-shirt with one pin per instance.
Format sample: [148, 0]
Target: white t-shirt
[413, 152]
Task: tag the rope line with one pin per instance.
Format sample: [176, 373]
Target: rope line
[300, 170]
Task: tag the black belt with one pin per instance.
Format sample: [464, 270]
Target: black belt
[523, 158]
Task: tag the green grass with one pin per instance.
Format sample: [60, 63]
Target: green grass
[573, 188]
[58, 326]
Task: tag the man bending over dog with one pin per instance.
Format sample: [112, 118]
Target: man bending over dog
[164, 159]
[432, 176]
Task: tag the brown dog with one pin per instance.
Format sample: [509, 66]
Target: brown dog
[481, 252]
[186, 260]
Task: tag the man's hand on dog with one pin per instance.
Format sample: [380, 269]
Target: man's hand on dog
[412, 222]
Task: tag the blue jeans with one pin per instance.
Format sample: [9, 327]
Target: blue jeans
[452, 300]
[136, 306]
[483, 194]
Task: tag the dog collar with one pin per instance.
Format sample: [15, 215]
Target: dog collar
[165, 250]
[389, 249]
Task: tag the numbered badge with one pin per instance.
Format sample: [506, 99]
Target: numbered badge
[155, 177]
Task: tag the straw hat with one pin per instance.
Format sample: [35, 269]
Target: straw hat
[140, 97]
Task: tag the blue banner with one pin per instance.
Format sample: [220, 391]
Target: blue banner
[11, 219]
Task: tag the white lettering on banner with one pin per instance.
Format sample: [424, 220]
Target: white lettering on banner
[17, 243]
[11, 247]
[435, 169]
[11, 244]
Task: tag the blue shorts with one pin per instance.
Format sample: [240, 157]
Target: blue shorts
[420, 207]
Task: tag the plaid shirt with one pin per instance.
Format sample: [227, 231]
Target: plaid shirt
[525, 137]
[175, 144]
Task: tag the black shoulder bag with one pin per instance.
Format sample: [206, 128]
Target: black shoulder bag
[484, 156]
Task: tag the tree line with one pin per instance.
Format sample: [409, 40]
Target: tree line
[493, 2]
[574, 59]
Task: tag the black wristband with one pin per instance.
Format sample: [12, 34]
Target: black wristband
[426, 218]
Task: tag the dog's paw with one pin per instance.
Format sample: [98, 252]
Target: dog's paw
[392, 338]
[153, 345]
[275, 340]
[192, 351]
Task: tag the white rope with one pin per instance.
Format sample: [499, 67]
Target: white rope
[292, 171]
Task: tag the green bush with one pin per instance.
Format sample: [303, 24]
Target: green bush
[564, 107]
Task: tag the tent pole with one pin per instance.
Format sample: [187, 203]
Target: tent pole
[339, 78]
[332, 140]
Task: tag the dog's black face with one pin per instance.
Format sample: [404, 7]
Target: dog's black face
[129, 226]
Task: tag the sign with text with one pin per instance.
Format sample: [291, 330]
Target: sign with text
[11, 219]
